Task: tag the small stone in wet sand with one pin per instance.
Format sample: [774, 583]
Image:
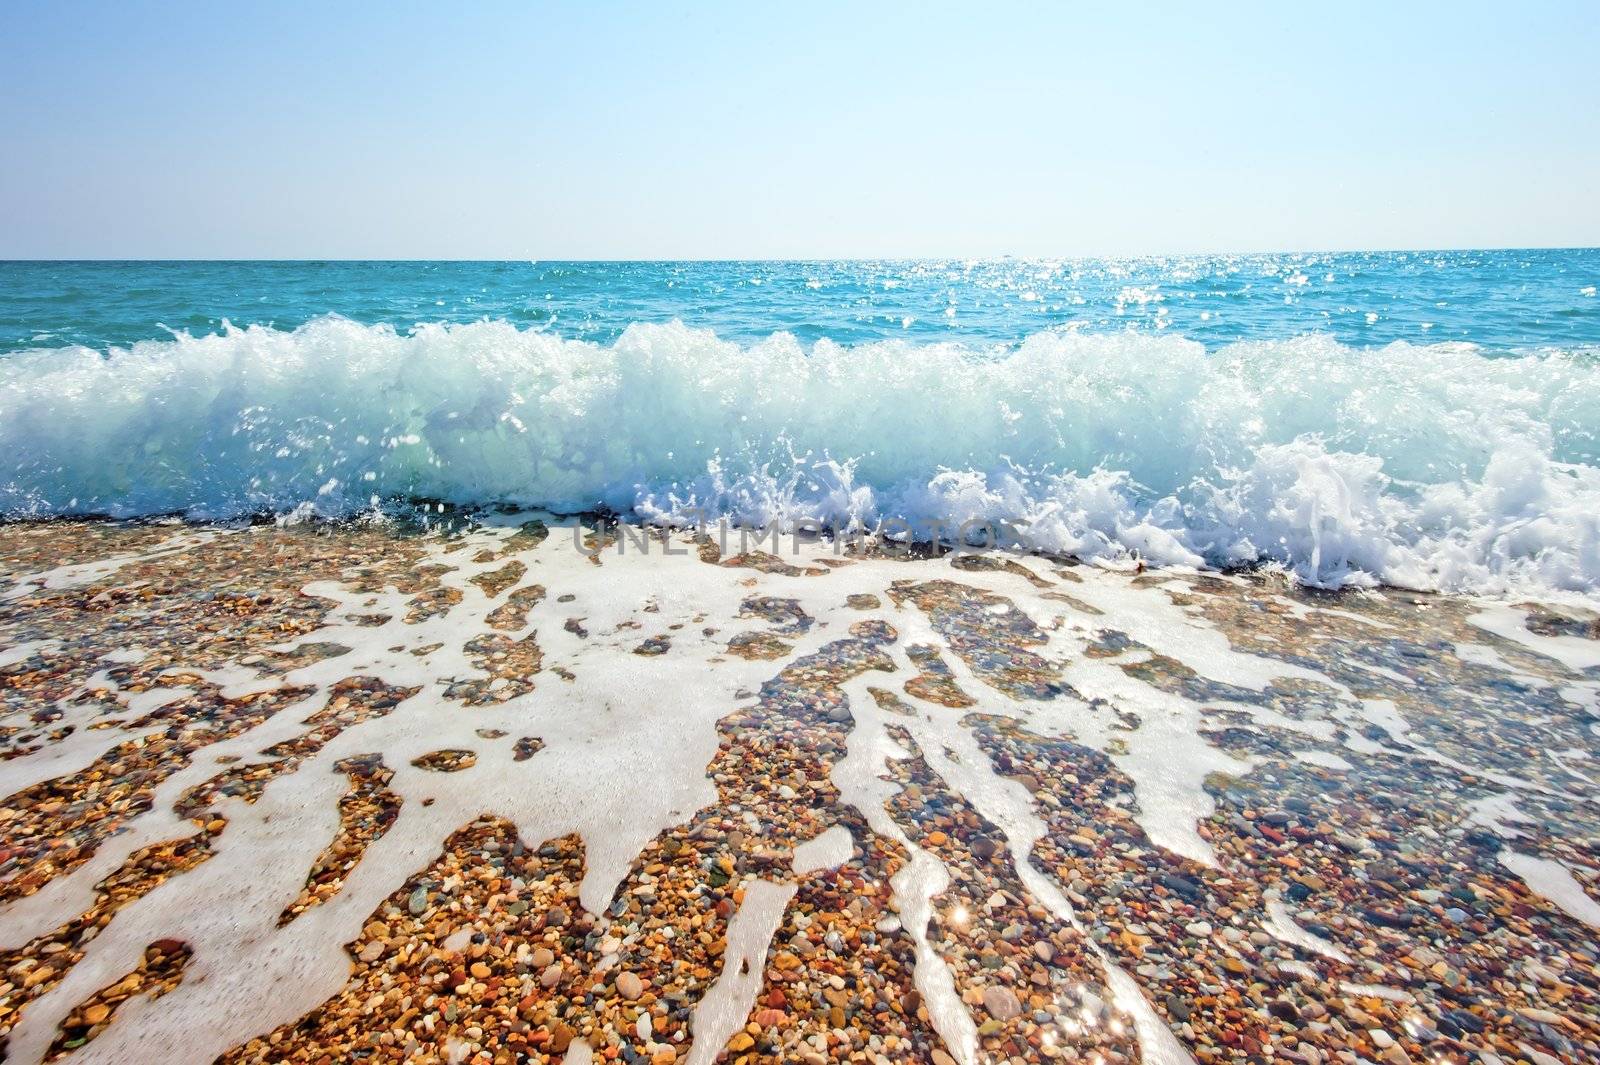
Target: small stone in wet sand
[1001, 1002]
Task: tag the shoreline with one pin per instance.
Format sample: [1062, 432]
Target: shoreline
[432, 517]
[491, 785]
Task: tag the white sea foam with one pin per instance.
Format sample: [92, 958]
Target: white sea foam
[619, 717]
[728, 1002]
[1430, 466]
[1551, 880]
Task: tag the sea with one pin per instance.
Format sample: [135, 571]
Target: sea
[1426, 420]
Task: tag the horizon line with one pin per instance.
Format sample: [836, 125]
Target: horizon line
[812, 259]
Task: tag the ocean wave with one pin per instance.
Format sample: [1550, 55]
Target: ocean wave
[1428, 466]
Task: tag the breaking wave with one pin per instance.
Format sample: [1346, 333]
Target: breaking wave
[1431, 466]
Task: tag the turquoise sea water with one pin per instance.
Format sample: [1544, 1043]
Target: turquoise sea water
[1498, 299]
[1426, 419]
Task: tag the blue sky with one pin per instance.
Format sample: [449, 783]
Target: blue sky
[523, 130]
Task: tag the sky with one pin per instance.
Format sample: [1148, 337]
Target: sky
[815, 130]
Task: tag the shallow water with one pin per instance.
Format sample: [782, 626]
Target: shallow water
[501, 784]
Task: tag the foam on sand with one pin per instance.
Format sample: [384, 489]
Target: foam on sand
[625, 745]
[723, 1010]
[1551, 880]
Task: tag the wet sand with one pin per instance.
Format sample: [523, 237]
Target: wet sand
[471, 794]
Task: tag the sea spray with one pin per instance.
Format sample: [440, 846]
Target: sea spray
[1418, 465]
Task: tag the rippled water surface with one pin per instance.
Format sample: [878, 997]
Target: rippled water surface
[1497, 299]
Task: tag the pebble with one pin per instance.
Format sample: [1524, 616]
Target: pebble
[1382, 865]
[1001, 1002]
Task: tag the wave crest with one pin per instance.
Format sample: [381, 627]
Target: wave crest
[1423, 466]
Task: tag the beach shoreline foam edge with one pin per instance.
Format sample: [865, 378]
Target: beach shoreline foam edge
[1428, 466]
[485, 778]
